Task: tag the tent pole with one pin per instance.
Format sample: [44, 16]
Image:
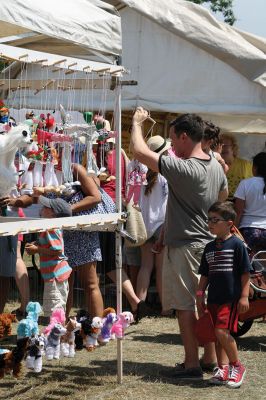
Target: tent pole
[118, 237]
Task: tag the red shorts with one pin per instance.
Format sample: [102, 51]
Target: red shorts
[224, 316]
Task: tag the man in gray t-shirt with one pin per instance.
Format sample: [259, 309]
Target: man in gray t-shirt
[194, 185]
[195, 181]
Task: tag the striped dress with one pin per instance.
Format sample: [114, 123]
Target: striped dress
[53, 266]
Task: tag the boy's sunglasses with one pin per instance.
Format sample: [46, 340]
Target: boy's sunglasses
[215, 220]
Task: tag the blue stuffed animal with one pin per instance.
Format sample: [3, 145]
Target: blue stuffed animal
[29, 326]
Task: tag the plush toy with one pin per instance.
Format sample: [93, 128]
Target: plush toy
[6, 324]
[85, 320]
[29, 325]
[57, 317]
[16, 137]
[4, 113]
[52, 350]
[119, 327]
[109, 318]
[12, 360]
[68, 340]
[91, 339]
[35, 353]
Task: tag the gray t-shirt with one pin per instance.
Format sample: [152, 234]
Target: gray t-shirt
[194, 185]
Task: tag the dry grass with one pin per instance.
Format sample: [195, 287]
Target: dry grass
[150, 350]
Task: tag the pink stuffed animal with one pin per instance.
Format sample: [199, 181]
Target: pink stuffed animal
[119, 327]
[58, 317]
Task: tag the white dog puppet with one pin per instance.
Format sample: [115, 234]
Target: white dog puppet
[10, 141]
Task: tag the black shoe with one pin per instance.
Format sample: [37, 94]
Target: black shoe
[143, 310]
[188, 373]
[207, 367]
[19, 314]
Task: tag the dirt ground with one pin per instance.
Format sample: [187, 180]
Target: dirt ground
[150, 350]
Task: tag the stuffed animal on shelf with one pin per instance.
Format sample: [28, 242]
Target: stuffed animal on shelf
[14, 138]
[6, 324]
[91, 339]
[11, 361]
[85, 320]
[4, 113]
[109, 318]
[52, 349]
[35, 353]
[119, 327]
[68, 340]
[29, 325]
[67, 189]
[58, 316]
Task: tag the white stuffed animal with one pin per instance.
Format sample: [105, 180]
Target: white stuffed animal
[15, 137]
[68, 340]
[35, 353]
[52, 350]
[91, 341]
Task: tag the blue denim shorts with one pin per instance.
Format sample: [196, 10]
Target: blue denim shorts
[8, 256]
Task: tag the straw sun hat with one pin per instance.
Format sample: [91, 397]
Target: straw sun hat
[158, 144]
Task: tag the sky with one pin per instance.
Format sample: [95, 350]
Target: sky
[250, 15]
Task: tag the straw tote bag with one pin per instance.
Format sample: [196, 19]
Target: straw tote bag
[135, 226]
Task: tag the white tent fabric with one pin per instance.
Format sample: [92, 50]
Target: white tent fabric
[196, 25]
[81, 28]
[184, 60]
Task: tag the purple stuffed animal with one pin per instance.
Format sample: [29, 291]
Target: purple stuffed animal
[108, 322]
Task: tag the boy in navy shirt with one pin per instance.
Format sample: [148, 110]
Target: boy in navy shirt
[224, 269]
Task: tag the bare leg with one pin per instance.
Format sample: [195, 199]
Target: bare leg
[228, 343]
[22, 280]
[127, 289]
[144, 275]
[69, 303]
[187, 320]
[4, 290]
[133, 271]
[158, 267]
[209, 356]
[222, 358]
[89, 281]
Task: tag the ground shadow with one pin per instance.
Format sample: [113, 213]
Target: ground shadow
[163, 338]
[147, 372]
[252, 343]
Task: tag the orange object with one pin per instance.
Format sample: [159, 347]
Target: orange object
[204, 329]
[257, 308]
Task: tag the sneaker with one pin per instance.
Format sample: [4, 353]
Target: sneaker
[236, 375]
[188, 374]
[221, 375]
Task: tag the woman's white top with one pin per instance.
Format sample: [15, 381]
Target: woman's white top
[153, 206]
[254, 214]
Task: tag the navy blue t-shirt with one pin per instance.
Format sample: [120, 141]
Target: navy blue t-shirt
[223, 262]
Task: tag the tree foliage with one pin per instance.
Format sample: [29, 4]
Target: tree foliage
[223, 6]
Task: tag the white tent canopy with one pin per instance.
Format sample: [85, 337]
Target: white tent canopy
[82, 29]
[184, 60]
